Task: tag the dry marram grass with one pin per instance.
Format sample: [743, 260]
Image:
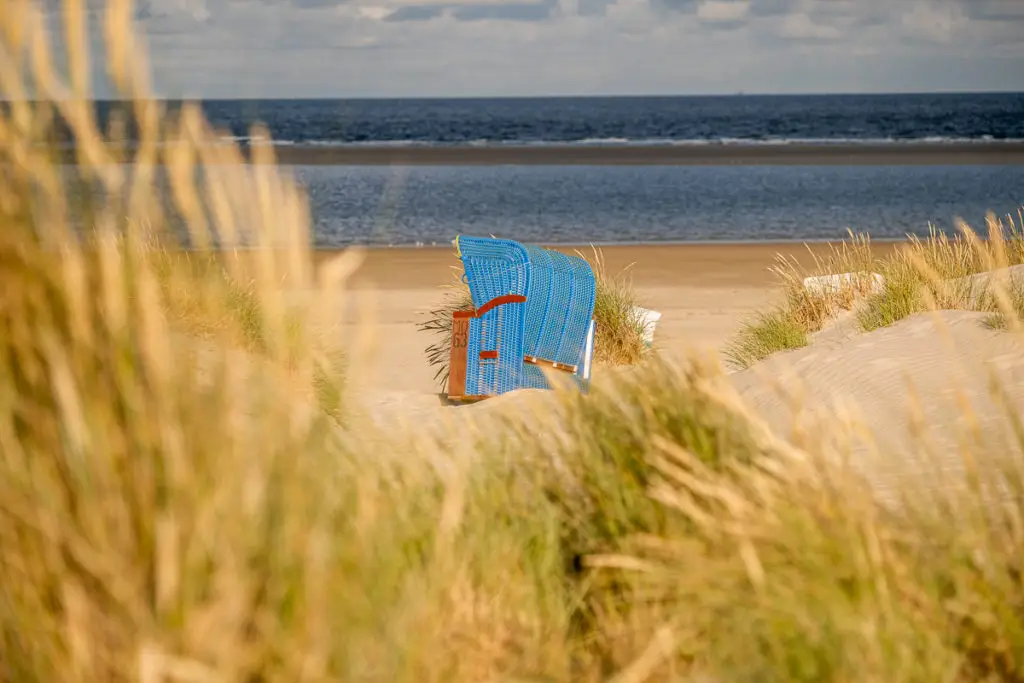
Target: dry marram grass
[162, 521]
[938, 272]
[804, 312]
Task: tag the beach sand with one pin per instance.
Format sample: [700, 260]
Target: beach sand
[923, 380]
[704, 292]
[926, 379]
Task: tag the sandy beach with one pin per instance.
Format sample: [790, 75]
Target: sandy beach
[893, 154]
[704, 292]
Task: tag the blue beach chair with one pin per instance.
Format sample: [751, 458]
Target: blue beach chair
[533, 309]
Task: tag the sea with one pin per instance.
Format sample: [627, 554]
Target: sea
[429, 205]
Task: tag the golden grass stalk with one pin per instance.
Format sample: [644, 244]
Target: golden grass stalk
[945, 272]
[766, 334]
[175, 505]
[619, 328]
[804, 312]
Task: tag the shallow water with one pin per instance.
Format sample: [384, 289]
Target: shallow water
[636, 204]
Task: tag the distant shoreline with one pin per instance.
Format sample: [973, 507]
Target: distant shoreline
[987, 153]
[796, 154]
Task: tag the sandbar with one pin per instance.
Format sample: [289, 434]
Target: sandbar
[802, 154]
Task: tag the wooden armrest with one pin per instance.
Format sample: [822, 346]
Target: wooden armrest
[533, 360]
[492, 304]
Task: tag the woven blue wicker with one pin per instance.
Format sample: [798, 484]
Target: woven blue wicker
[559, 308]
[555, 323]
[495, 268]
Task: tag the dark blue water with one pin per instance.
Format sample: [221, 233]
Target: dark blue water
[622, 204]
[579, 204]
[751, 119]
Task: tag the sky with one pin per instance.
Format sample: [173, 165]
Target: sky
[460, 48]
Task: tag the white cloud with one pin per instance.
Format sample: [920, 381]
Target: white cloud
[268, 48]
[723, 11]
[935, 21]
[800, 26]
[374, 12]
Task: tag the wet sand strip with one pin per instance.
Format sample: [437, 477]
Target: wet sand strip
[894, 154]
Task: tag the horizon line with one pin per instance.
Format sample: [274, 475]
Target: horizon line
[373, 98]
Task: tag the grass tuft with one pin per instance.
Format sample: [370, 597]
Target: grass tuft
[942, 272]
[803, 311]
[938, 266]
[226, 307]
[770, 333]
[938, 272]
[619, 328]
[438, 322]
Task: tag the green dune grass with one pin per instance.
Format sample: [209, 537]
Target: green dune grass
[933, 273]
[177, 503]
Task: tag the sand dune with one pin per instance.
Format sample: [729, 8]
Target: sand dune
[916, 377]
[912, 378]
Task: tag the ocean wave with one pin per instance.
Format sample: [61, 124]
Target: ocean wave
[646, 142]
[245, 141]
